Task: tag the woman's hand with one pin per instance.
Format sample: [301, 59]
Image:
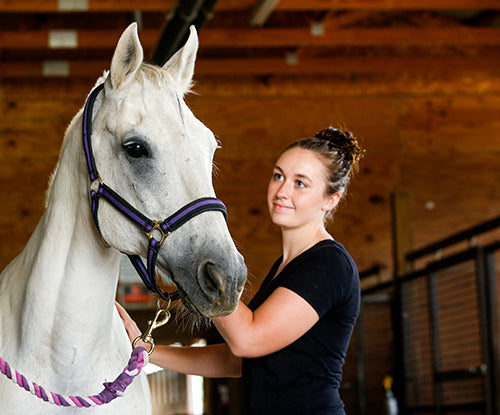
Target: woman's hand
[133, 330]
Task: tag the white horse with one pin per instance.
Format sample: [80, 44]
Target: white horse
[58, 323]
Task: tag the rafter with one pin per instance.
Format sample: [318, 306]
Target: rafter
[32, 6]
[387, 4]
[50, 6]
[273, 66]
[269, 37]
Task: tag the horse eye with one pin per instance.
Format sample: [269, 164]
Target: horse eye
[136, 150]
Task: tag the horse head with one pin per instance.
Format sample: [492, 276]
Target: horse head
[151, 149]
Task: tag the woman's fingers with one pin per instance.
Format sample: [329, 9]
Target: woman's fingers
[130, 325]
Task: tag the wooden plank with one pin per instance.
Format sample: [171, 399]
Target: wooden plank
[85, 39]
[299, 37]
[48, 6]
[313, 86]
[386, 4]
[402, 229]
[263, 66]
[32, 69]
[346, 86]
[458, 125]
[256, 118]
[272, 37]
[32, 6]
[311, 65]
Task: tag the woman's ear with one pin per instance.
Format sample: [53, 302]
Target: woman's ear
[331, 201]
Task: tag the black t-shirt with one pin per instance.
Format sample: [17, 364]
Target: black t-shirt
[304, 377]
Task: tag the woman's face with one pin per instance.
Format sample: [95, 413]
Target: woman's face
[296, 194]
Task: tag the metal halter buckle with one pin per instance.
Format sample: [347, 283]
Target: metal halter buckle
[158, 228]
[161, 318]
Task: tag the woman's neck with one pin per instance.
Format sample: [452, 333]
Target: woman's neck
[297, 241]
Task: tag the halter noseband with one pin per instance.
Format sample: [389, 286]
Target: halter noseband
[151, 228]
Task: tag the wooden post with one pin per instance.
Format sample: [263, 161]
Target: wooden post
[402, 242]
[402, 229]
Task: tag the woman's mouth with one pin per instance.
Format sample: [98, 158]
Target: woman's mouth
[282, 208]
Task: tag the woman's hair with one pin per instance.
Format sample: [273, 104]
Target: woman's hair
[340, 153]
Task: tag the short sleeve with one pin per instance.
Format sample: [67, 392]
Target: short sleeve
[324, 278]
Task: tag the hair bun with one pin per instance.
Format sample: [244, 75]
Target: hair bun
[344, 142]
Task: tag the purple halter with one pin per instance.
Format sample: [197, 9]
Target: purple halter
[150, 227]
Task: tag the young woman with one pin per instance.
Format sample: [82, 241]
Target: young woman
[290, 342]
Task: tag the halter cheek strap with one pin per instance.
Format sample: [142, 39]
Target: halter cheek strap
[156, 231]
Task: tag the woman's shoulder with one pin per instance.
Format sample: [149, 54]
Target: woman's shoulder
[330, 252]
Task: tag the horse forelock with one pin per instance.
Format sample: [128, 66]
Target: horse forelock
[149, 71]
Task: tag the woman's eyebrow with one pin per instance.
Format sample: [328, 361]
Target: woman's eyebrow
[297, 176]
[303, 176]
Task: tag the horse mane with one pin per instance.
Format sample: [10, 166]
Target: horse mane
[153, 71]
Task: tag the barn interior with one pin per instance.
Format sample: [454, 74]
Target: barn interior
[417, 81]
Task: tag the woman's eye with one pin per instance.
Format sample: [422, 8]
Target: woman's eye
[136, 150]
[300, 184]
[277, 176]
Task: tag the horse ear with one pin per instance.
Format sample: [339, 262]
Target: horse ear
[127, 58]
[181, 64]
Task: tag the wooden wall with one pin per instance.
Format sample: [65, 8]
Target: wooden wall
[437, 137]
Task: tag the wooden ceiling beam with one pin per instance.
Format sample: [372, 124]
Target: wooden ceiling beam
[81, 39]
[387, 4]
[47, 6]
[325, 66]
[52, 6]
[269, 66]
[268, 38]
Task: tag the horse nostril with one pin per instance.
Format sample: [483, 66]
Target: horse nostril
[211, 280]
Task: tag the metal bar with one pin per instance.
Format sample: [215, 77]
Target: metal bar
[453, 375]
[361, 365]
[399, 343]
[369, 272]
[453, 239]
[433, 304]
[426, 409]
[488, 311]
[447, 262]
[261, 12]
[495, 246]
[378, 287]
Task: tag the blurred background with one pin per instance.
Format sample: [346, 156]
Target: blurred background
[417, 81]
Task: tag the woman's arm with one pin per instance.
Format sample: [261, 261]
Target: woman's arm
[210, 361]
[279, 321]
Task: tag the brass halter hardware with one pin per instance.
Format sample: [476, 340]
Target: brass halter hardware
[158, 228]
[161, 318]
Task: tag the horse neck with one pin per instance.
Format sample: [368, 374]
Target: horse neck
[70, 275]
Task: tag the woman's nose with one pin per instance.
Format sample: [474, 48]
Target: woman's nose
[284, 191]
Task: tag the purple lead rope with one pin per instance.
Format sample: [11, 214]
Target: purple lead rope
[138, 359]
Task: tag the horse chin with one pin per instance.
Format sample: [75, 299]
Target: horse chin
[197, 304]
[167, 277]
[190, 306]
[207, 312]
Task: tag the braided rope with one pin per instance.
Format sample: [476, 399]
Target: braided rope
[138, 359]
